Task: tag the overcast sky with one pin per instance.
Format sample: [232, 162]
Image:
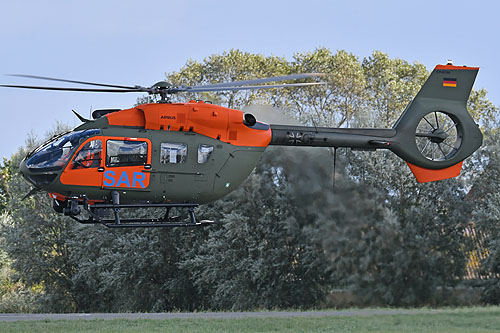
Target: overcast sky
[136, 42]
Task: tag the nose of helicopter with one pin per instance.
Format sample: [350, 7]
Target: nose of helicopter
[39, 179]
[23, 169]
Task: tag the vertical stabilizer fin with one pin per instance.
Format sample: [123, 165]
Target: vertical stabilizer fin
[436, 133]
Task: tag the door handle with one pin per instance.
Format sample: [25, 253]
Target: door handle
[100, 169]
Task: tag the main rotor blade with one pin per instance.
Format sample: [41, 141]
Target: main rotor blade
[71, 81]
[226, 88]
[263, 80]
[77, 89]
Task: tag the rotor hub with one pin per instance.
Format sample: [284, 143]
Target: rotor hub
[438, 135]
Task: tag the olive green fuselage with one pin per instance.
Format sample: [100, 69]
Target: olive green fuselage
[186, 180]
[225, 170]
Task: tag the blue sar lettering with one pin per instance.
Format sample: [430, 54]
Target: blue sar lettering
[108, 178]
[138, 179]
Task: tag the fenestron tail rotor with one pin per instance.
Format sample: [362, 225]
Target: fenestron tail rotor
[438, 136]
[164, 89]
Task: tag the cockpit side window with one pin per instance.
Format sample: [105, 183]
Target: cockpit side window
[89, 156]
[54, 154]
[126, 153]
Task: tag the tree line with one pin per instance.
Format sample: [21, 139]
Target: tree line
[286, 237]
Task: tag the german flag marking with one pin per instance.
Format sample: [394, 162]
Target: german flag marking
[447, 82]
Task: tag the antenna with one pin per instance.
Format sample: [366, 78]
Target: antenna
[314, 123]
[334, 165]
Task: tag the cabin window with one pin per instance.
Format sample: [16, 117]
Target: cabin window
[204, 152]
[126, 153]
[171, 153]
[89, 156]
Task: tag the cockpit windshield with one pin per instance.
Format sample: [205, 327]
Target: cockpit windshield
[54, 154]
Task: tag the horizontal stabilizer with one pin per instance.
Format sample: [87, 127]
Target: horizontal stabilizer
[424, 175]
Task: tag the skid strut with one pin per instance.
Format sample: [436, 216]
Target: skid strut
[118, 222]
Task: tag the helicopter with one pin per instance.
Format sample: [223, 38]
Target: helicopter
[180, 155]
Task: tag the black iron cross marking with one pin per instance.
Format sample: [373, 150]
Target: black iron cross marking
[295, 138]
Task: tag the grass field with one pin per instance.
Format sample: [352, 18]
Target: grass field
[485, 319]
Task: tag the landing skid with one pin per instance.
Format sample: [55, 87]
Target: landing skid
[166, 221]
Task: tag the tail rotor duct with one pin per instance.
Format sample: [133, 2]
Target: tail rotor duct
[438, 136]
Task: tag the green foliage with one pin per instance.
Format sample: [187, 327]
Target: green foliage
[267, 253]
[230, 66]
[5, 174]
[482, 110]
[488, 215]
[133, 270]
[342, 101]
[391, 84]
[395, 251]
[14, 296]
[35, 237]
[485, 216]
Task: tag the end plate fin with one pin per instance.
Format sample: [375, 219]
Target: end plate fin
[424, 175]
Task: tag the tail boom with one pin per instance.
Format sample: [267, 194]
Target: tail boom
[434, 134]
